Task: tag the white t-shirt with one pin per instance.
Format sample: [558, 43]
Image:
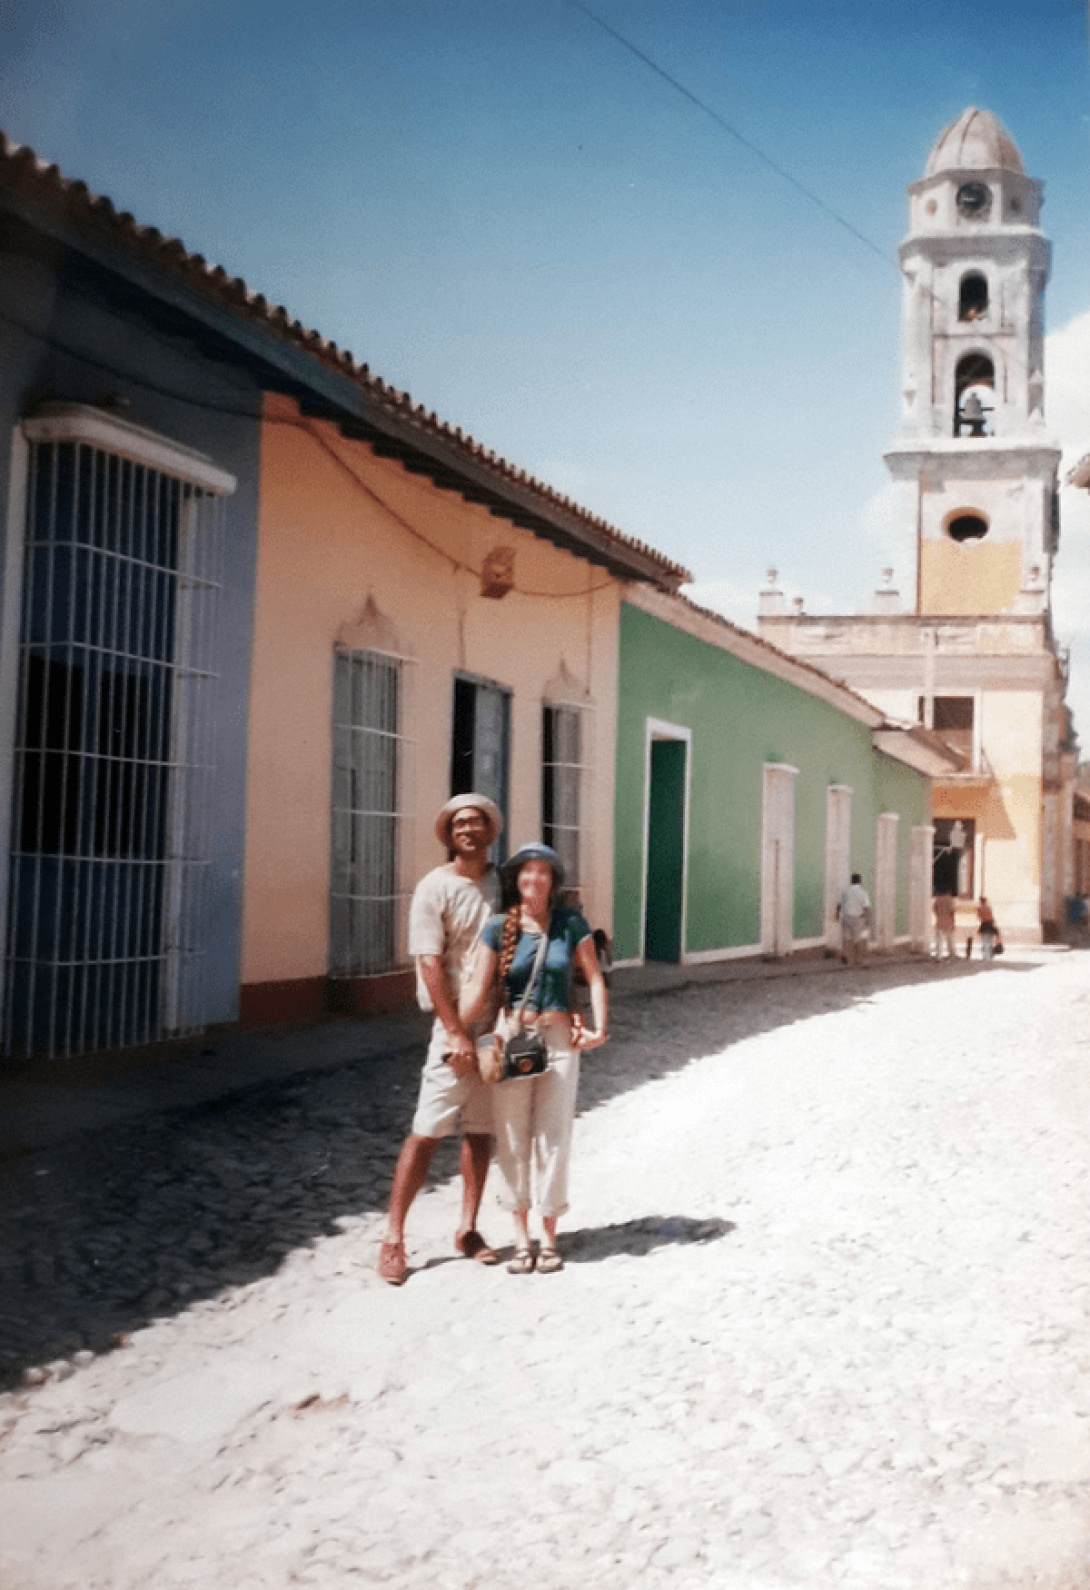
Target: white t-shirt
[446, 916]
[854, 903]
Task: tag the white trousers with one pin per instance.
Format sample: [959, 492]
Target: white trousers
[533, 1118]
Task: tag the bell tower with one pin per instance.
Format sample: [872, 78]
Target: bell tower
[972, 436]
[973, 661]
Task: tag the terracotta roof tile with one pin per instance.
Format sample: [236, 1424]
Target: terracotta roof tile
[21, 167]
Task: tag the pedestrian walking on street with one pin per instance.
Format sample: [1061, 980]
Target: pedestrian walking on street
[449, 907]
[853, 914]
[944, 907]
[989, 932]
[1078, 914]
[531, 949]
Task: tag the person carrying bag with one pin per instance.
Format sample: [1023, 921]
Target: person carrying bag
[512, 1050]
[527, 955]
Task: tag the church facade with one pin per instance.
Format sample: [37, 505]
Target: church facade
[972, 655]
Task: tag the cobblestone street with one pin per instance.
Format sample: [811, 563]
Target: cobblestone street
[825, 1320]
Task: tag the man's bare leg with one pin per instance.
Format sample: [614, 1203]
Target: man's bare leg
[412, 1167]
[476, 1156]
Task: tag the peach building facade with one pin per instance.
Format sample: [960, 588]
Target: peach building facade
[408, 644]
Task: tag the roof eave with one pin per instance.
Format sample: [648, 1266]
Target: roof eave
[327, 382]
[918, 749]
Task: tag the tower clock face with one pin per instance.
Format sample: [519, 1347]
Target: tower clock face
[974, 199]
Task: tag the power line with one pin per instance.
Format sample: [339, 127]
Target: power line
[754, 149]
[728, 127]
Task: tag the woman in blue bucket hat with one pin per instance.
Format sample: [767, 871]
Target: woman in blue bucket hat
[531, 949]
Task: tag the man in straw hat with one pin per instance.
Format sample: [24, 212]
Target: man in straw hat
[449, 906]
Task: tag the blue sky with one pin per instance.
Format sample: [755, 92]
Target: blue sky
[510, 215]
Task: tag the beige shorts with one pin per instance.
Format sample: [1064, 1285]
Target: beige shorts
[448, 1101]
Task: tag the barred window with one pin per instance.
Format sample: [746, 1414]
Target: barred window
[367, 903]
[110, 834]
[954, 856]
[562, 786]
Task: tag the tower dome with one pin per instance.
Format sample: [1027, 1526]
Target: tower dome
[976, 141]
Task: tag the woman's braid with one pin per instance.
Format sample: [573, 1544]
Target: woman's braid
[509, 943]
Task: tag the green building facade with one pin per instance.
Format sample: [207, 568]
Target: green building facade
[728, 840]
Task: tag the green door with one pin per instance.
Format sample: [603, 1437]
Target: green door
[665, 851]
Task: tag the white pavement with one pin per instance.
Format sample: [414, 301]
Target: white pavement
[825, 1322]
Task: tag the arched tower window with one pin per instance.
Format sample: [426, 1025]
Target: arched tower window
[967, 527]
[974, 384]
[973, 296]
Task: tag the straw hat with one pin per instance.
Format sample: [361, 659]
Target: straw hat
[458, 803]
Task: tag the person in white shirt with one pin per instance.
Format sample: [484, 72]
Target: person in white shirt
[853, 914]
[449, 907]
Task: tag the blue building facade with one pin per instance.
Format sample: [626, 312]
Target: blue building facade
[128, 462]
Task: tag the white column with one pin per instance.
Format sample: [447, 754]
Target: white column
[838, 850]
[919, 886]
[885, 883]
[778, 859]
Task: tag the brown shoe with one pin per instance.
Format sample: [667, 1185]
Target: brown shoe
[391, 1263]
[471, 1245]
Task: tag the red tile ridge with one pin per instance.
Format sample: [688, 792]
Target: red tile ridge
[171, 254]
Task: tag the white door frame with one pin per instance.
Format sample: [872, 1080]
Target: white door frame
[919, 886]
[838, 856]
[659, 729]
[778, 859]
[885, 880]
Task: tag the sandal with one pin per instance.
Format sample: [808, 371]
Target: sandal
[391, 1263]
[522, 1263]
[471, 1245]
[549, 1261]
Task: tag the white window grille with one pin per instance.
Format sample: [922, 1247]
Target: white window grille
[368, 904]
[112, 771]
[563, 786]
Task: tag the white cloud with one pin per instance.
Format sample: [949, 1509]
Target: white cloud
[732, 599]
[739, 602]
[1067, 373]
[887, 527]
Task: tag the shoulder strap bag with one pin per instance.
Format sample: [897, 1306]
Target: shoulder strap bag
[510, 1050]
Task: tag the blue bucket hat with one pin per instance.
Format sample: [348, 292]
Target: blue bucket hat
[535, 852]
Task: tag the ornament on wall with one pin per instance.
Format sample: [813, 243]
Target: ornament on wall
[565, 687]
[498, 574]
[372, 630]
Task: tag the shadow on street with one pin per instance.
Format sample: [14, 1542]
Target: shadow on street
[103, 1233]
[591, 1244]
